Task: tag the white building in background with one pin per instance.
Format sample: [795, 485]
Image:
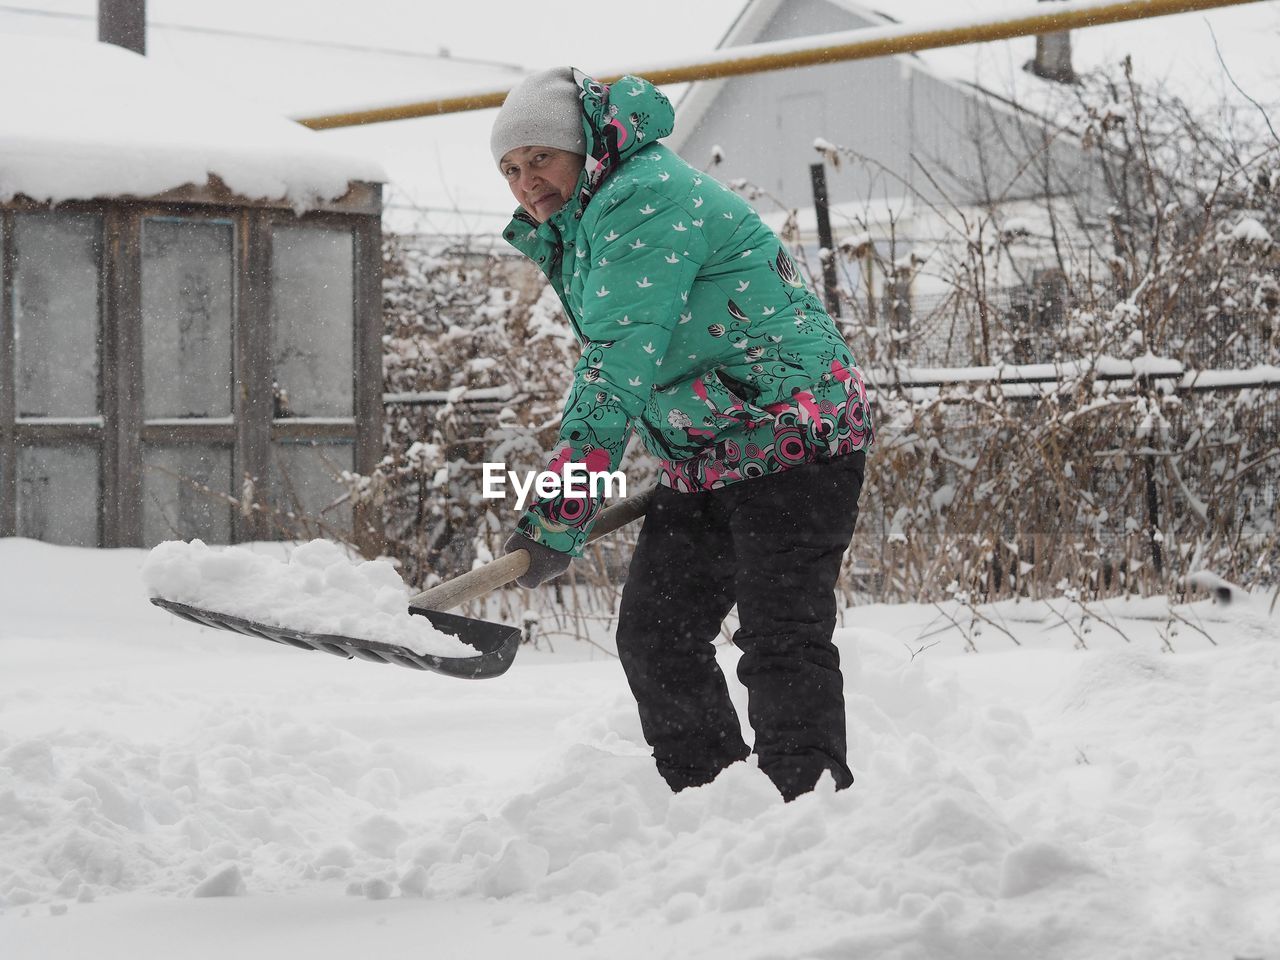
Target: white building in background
[937, 144]
[920, 155]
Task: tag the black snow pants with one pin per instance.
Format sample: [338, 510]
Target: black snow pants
[773, 545]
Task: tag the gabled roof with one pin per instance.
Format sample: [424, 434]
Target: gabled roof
[747, 29]
[85, 120]
[1186, 52]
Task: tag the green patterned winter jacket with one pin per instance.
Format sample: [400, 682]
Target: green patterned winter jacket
[697, 331]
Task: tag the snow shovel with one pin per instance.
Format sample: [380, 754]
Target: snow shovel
[496, 642]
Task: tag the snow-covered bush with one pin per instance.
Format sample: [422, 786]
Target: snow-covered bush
[474, 365]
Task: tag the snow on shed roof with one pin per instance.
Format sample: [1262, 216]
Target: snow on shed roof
[87, 120]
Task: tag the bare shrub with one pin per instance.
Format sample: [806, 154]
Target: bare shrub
[1120, 470]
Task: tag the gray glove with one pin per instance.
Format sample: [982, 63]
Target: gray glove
[544, 563]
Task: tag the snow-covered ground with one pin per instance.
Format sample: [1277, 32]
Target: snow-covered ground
[172, 791]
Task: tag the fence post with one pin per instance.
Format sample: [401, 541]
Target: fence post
[831, 293]
[1152, 493]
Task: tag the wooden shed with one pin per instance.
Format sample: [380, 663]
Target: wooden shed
[190, 333]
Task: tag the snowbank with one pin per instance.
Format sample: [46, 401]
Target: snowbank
[87, 120]
[1023, 801]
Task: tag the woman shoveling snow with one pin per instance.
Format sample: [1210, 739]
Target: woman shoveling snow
[699, 334]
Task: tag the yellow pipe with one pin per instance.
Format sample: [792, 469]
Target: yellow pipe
[829, 48]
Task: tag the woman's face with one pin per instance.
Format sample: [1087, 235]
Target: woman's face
[541, 178]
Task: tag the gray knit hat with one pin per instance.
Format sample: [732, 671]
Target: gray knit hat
[543, 111]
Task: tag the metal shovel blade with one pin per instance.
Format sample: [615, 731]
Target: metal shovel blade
[497, 643]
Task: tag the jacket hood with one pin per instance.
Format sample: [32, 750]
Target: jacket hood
[619, 119]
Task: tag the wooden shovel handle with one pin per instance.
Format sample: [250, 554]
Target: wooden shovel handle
[497, 573]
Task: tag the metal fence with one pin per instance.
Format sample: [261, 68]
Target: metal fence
[1208, 329]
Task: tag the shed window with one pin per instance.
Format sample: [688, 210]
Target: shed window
[58, 499]
[306, 479]
[56, 326]
[185, 493]
[187, 309]
[313, 321]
